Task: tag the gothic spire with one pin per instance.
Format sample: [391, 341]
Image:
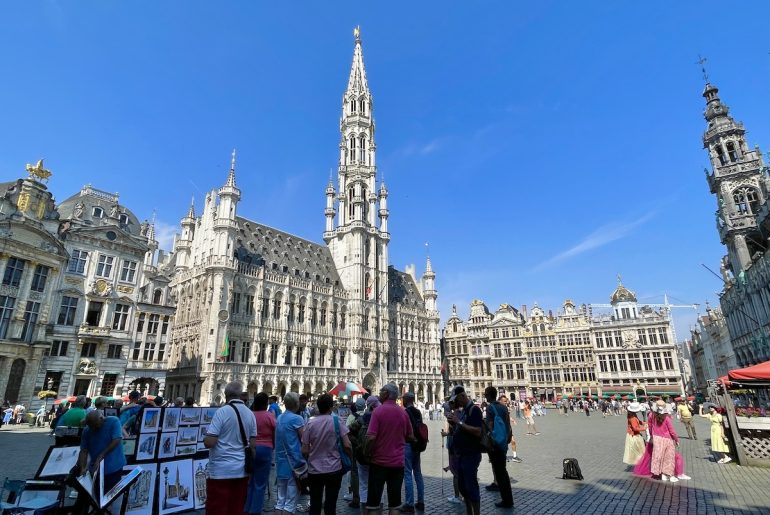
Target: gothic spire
[191, 211]
[357, 83]
[231, 176]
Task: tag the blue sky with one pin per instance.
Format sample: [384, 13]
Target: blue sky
[541, 148]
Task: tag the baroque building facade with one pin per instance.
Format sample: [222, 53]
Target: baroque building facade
[740, 182]
[629, 351]
[711, 349]
[283, 313]
[73, 276]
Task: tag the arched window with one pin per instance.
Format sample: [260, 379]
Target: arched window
[324, 308]
[156, 296]
[746, 200]
[277, 305]
[351, 209]
[362, 148]
[721, 155]
[301, 310]
[731, 151]
[352, 148]
[363, 106]
[366, 320]
[265, 303]
[352, 106]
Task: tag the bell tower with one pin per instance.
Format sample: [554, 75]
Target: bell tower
[737, 180]
[359, 239]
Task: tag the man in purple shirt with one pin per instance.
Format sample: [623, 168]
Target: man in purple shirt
[388, 430]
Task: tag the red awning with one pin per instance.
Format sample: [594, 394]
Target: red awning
[759, 372]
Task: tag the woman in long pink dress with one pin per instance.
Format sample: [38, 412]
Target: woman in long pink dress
[664, 443]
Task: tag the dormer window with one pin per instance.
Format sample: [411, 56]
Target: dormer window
[123, 219]
[97, 212]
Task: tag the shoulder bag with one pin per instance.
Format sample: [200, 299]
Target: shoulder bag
[300, 472]
[344, 457]
[248, 452]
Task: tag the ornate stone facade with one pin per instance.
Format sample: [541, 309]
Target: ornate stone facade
[575, 352]
[740, 182]
[282, 313]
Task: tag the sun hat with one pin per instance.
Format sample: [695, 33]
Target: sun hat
[634, 407]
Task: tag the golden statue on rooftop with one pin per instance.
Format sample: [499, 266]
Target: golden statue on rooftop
[38, 171]
[357, 32]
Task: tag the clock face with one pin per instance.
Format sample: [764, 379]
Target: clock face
[224, 315]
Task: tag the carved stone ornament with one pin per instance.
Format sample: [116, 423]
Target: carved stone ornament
[630, 338]
[224, 315]
[87, 366]
[100, 287]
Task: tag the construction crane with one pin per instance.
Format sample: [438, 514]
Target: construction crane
[666, 305]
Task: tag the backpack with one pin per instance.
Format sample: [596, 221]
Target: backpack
[495, 440]
[420, 431]
[357, 436]
[571, 469]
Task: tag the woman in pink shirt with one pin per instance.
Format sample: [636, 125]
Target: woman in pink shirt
[263, 457]
[664, 443]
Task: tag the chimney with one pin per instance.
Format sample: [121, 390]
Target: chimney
[524, 310]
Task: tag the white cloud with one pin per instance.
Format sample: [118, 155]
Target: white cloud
[164, 233]
[600, 237]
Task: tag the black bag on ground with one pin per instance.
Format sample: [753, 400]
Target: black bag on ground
[571, 469]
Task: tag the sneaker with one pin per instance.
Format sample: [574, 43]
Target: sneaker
[303, 508]
[721, 461]
[684, 477]
[516, 459]
[663, 477]
[455, 500]
[674, 479]
[728, 459]
[537, 433]
[407, 508]
[492, 488]
[419, 506]
[347, 497]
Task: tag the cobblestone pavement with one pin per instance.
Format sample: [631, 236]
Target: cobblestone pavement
[597, 443]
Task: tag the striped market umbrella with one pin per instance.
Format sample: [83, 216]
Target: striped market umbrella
[346, 389]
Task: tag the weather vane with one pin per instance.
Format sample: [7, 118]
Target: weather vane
[702, 62]
[357, 33]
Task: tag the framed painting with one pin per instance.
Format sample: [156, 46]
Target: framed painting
[58, 461]
[200, 474]
[145, 446]
[167, 447]
[171, 419]
[141, 495]
[175, 486]
[186, 450]
[150, 420]
[190, 416]
[207, 414]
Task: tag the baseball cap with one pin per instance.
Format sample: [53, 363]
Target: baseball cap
[457, 390]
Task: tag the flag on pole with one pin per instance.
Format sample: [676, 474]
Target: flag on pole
[225, 348]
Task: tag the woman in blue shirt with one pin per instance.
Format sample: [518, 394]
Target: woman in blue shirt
[288, 454]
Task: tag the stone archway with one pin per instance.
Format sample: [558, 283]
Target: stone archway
[295, 386]
[319, 388]
[370, 382]
[282, 387]
[252, 389]
[268, 388]
[421, 392]
[411, 388]
[307, 388]
[14, 380]
[430, 397]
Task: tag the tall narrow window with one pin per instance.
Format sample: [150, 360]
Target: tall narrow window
[721, 155]
[13, 271]
[94, 315]
[104, 265]
[277, 306]
[362, 149]
[30, 321]
[39, 278]
[128, 273]
[731, 151]
[77, 262]
[69, 306]
[140, 323]
[152, 325]
[120, 318]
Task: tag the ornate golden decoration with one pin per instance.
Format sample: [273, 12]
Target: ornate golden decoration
[100, 286]
[125, 289]
[38, 171]
[41, 209]
[22, 203]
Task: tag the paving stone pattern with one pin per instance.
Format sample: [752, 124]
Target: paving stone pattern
[597, 443]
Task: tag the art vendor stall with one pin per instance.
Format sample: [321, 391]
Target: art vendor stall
[746, 399]
[166, 470]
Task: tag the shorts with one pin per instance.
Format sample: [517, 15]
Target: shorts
[380, 476]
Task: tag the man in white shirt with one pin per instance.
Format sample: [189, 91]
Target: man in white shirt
[228, 481]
